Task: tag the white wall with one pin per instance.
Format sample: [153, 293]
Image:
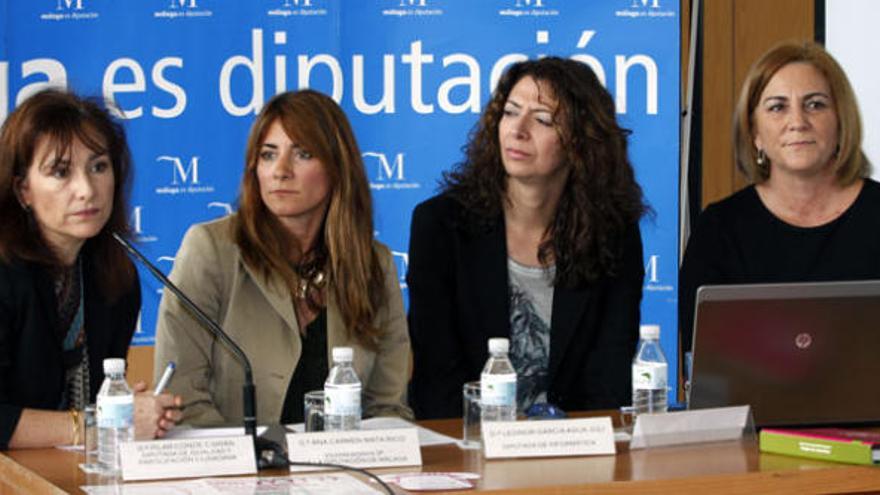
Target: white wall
[851, 28]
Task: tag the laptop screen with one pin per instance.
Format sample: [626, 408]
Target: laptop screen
[799, 353]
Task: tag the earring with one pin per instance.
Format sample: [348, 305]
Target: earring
[762, 158]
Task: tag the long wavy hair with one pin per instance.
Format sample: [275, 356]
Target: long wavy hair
[60, 118]
[600, 199]
[346, 240]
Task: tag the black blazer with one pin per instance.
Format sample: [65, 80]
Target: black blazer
[31, 369]
[458, 293]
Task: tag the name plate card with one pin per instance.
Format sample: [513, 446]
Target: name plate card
[694, 426]
[359, 448]
[548, 438]
[187, 458]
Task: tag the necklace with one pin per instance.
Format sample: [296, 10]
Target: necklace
[307, 283]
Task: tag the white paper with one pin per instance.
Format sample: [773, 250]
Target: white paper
[300, 484]
[548, 438]
[187, 458]
[186, 431]
[360, 448]
[426, 437]
[430, 482]
[694, 426]
[420, 481]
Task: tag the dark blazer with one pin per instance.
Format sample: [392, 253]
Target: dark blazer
[458, 290]
[31, 369]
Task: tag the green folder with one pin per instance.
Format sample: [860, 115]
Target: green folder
[827, 444]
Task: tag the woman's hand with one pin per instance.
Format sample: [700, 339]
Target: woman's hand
[155, 415]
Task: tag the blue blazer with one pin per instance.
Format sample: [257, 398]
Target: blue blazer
[31, 368]
[458, 293]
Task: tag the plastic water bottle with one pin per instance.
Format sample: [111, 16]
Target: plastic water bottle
[498, 384]
[115, 415]
[649, 373]
[342, 393]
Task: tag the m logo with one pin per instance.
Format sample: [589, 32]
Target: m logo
[530, 3]
[651, 272]
[297, 3]
[401, 261]
[654, 4]
[412, 3]
[387, 170]
[183, 4]
[135, 220]
[69, 4]
[180, 173]
[226, 208]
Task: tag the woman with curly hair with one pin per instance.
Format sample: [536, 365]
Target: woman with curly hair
[292, 274]
[534, 238]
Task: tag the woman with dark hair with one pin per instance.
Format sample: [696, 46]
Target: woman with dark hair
[294, 273]
[535, 238]
[69, 296]
[811, 214]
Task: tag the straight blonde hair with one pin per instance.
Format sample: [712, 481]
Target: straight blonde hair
[850, 160]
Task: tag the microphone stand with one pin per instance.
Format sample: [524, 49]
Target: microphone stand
[267, 451]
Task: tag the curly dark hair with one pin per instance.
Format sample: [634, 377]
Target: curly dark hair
[601, 198]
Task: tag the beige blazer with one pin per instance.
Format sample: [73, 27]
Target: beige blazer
[258, 314]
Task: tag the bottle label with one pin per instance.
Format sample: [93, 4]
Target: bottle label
[649, 376]
[342, 401]
[115, 411]
[498, 390]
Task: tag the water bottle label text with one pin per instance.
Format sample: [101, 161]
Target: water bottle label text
[342, 401]
[649, 376]
[498, 390]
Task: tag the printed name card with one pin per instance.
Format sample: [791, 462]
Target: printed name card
[360, 448]
[694, 426]
[548, 438]
[187, 458]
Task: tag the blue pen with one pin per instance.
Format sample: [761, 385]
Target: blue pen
[166, 377]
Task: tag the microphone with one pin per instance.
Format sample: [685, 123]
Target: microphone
[269, 453]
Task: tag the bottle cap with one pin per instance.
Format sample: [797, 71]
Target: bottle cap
[343, 354]
[499, 345]
[649, 332]
[114, 366]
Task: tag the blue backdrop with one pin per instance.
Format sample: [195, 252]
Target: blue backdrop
[413, 75]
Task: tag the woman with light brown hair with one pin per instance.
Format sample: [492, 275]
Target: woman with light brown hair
[812, 213]
[292, 274]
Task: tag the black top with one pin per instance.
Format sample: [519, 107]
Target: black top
[458, 289]
[31, 364]
[739, 241]
[311, 369]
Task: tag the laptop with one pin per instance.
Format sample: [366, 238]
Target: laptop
[799, 353]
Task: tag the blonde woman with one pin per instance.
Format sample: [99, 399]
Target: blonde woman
[812, 213]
